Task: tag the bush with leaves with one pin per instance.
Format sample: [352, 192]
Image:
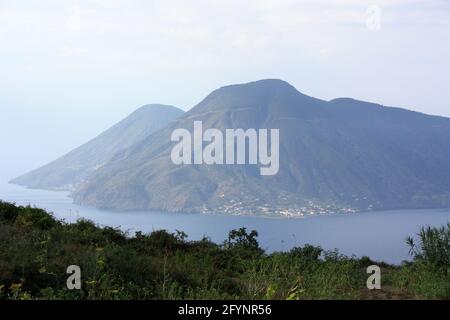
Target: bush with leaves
[433, 246]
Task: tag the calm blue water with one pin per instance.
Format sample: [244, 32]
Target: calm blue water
[380, 235]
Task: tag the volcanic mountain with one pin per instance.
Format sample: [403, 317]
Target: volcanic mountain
[73, 168]
[341, 155]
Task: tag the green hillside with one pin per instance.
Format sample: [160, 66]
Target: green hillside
[36, 249]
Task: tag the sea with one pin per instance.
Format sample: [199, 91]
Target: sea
[380, 235]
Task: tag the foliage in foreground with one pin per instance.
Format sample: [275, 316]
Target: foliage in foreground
[36, 249]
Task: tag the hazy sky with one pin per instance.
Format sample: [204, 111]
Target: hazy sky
[69, 69]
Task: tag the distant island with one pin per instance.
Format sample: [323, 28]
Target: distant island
[338, 156]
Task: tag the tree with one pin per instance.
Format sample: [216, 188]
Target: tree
[241, 239]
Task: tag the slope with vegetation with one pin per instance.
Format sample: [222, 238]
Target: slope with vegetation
[36, 249]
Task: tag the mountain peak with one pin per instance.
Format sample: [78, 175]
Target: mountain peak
[156, 107]
[252, 94]
[71, 169]
[263, 84]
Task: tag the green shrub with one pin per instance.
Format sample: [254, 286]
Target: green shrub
[421, 280]
[8, 212]
[308, 252]
[35, 218]
[433, 246]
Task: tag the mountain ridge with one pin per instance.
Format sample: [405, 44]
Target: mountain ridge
[335, 156]
[72, 168]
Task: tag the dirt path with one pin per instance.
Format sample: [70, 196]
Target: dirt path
[386, 293]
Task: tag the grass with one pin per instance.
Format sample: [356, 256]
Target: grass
[36, 249]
